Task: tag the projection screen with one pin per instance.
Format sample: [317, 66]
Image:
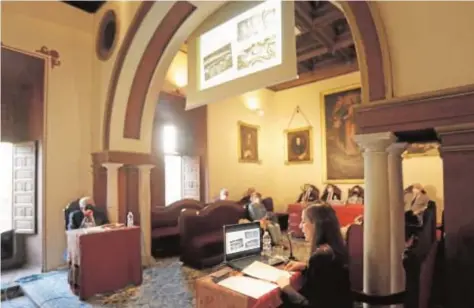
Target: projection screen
[242, 47]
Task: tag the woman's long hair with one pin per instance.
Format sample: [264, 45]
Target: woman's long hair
[327, 229]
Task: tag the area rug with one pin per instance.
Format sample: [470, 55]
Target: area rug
[50, 290]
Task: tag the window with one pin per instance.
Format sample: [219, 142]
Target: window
[6, 176]
[181, 172]
[18, 187]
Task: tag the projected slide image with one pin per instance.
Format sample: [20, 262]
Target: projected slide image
[252, 234]
[236, 245]
[261, 22]
[257, 53]
[217, 62]
[252, 244]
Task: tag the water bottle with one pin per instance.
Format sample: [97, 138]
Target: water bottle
[130, 219]
[267, 244]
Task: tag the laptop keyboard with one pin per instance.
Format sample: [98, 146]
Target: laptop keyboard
[240, 264]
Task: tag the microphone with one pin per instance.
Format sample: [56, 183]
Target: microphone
[291, 257]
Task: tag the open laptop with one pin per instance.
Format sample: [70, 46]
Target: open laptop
[243, 246]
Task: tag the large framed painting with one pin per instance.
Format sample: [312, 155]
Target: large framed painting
[248, 143]
[342, 157]
[421, 149]
[299, 145]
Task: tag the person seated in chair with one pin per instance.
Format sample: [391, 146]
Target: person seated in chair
[331, 194]
[87, 215]
[247, 195]
[310, 194]
[269, 222]
[418, 205]
[356, 195]
[223, 194]
[325, 276]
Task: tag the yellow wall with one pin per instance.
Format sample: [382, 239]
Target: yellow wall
[28, 26]
[431, 44]
[272, 177]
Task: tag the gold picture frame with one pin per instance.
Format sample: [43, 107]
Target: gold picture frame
[342, 161]
[247, 150]
[421, 149]
[299, 145]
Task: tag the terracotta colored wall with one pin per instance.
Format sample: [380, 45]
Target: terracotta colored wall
[192, 127]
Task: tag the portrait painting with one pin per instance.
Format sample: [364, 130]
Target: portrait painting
[342, 157]
[298, 145]
[421, 149]
[248, 143]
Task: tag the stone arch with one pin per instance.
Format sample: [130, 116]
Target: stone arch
[166, 25]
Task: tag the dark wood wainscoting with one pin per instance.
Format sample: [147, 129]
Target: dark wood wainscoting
[192, 141]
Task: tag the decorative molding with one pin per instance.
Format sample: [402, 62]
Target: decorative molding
[416, 112]
[53, 54]
[125, 158]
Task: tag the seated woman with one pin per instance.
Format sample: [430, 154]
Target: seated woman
[326, 276]
[356, 195]
[269, 222]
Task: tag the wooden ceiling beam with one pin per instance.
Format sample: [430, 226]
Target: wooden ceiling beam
[343, 41]
[327, 18]
[317, 75]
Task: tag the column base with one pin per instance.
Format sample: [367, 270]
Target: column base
[148, 261]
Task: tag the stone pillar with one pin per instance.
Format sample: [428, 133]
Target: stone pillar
[112, 191]
[397, 217]
[457, 152]
[144, 201]
[376, 213]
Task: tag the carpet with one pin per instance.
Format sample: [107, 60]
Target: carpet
[167, 284]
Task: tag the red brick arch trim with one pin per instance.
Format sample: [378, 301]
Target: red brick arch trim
[124, 48]
[163, 34]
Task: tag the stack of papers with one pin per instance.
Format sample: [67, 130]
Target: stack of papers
[248, 286]
[265, 272]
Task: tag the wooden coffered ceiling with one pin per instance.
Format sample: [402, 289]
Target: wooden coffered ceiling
[324, 46]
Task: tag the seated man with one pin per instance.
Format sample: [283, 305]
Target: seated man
[247, 195]
[87, 215]
[258, 212]
[223, 194]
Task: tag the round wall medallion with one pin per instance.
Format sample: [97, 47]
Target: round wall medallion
[108, 35]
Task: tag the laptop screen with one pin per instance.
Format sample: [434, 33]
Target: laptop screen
[242, 240]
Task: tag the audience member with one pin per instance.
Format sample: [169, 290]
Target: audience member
[87, 215]
[418, 205]
[246, 198]
[326, 277]
[224, 194]
[269, 222]
[355, 196]
[309, 194]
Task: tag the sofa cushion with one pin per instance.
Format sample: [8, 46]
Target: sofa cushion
[164, 232]
[207, 239]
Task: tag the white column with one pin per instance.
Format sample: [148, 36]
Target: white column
[397, 218]
[112, 191]
[144, 201]
[376, 213]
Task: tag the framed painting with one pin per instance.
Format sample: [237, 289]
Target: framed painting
[299, 145]
[421, 149]
[248, 143]
[342, 158]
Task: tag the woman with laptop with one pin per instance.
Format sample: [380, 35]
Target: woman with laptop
[325, 276]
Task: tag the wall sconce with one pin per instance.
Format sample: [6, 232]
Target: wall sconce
[253, 104]
[180, 80]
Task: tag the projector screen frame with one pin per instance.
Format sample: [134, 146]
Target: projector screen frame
[286, 70]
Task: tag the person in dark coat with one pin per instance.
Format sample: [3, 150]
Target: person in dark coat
[87, 215]
[325, 276]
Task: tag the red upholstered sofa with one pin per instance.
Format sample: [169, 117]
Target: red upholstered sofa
[201, 234]
[164, 225]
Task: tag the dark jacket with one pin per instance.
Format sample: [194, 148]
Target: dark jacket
[76, 218]
[326, 283]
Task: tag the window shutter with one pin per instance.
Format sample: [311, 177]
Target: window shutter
[190, 175]
[24, 188]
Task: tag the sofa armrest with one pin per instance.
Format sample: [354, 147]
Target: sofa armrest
[189, 223]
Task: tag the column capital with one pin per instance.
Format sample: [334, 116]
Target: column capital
[397, 148]
[377, 142]
[112, 166]
[146, 167]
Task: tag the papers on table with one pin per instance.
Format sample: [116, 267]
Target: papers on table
[265, 272]
[248, 286]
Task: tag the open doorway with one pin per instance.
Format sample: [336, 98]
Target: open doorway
[21, 179]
